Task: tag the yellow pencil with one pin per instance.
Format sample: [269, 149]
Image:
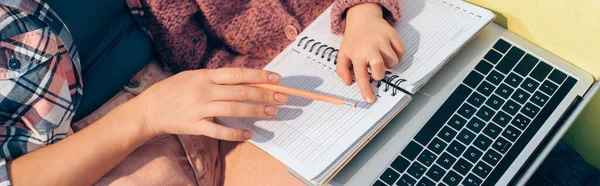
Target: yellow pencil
[305, 94]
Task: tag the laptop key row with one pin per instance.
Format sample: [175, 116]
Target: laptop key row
[484, 124]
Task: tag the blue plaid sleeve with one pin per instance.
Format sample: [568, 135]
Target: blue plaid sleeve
[4, 180]
[40, 81]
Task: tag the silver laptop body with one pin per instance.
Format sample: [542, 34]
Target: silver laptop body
[369, 166]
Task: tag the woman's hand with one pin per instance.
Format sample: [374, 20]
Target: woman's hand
[182, 104]
[187, 102]
[369, 42]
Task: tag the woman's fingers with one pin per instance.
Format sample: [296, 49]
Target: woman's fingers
[234, 76]
[247, 93]
[239, 110]
[364, 83]
[213, 130]
[342, 68]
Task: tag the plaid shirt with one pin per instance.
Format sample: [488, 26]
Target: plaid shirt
[40, 78]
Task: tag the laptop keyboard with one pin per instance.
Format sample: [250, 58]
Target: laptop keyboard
[484, 124]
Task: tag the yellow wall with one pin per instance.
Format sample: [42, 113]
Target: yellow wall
[571, 30]
[568, 28]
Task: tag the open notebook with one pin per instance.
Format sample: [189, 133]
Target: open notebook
[315, 139]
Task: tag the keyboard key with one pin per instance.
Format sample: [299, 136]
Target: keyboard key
[472, 154]
[406, 180]
[457, 122]
[513, 80]
[466, 137]
[492, 157]
[485, 88]
[482, 169]
[511, 133]
[400, 164]
[447, 134]
[456, 148]
[492, 130]
[485, 113]
[466, 111]
[511, 107]
[378, 183]
[533, 129]
[557, 76]
[504, 91]
[473, 79]
[442, 115]
[389, 176]
[501, 145]
[492, 56]
[521, 96]
[484, 67]
[502, 46]
[526, 65]
[427, 158]
[472, 180]
[435, 173]
[482, 142]
[412, 150]
[530, 110]
[476, 99]
[452, 178]
[541, 71]
[416, 170]
[494, 102]
[501, 118]
[446, 160]
[539, 99]
[425, 182]
[521, 121]
[530, 85]
[476, 125]
[495, 77]
[462, 166]
[548, 87]
[437, 145]
[510, 60]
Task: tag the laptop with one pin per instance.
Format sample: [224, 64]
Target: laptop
[489, 117]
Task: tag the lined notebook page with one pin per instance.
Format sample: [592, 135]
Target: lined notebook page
[431, 30]
[309, 135]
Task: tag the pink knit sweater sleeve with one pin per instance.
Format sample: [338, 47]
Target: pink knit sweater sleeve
[391, 12]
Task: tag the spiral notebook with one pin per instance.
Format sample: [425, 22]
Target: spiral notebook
[315, 139]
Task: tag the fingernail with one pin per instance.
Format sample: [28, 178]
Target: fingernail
[248, 134]
[271, 111]
[279, 97]
[274, 77]
[370, 99]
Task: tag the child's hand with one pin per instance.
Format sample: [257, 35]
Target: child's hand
[369, 41]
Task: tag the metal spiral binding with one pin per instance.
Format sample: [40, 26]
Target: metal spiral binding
[322, 49]
[392, 83]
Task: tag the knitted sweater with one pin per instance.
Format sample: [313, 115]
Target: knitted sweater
[194, 34]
